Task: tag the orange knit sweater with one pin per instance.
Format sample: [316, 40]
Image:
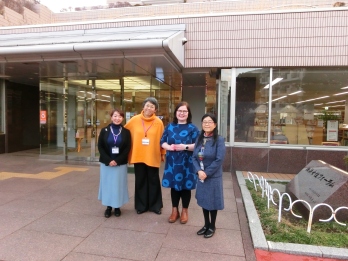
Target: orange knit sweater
[148, 154]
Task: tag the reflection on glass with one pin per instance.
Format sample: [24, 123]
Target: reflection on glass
[224, 99]
[94, 88]
[2, 104]
[251, 105]
[51, 133]
[309, 105]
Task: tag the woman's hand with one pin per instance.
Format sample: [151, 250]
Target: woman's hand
[112, 163]
[180, 147]
[202, 175]
[166, 146]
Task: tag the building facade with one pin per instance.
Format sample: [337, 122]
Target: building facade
[276, 80]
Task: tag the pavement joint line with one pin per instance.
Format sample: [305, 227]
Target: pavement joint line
[259, 239]
[41, 175]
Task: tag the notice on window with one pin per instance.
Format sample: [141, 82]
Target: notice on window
[43, 117]
[128, 116]
[332, 131]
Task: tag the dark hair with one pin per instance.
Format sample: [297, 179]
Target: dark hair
[118, 111]
[189, 117]
[153, 100]
[215, 131]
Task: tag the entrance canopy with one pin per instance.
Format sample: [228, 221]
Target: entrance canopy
[146, 41]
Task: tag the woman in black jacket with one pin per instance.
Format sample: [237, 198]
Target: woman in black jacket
[114, 144]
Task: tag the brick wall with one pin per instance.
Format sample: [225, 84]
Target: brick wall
[29, 17]
[3, 21]
[13, 17]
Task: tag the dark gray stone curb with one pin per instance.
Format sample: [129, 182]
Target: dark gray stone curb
[259, 239]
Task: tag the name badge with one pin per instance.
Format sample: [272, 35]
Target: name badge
[145, 141]
[115, 150]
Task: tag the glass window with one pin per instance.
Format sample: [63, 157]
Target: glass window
[224, 104]
[309, 106]
[2, 107]
[251, 106]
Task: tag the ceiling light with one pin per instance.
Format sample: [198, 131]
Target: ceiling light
[276, 80]
[340, 93]
[295, 92]
[335, 101]
[313, 99]
[280, 98]
[337, 106]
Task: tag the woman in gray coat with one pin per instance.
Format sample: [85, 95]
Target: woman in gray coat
[208, 156]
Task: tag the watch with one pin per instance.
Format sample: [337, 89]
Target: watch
[186, 148]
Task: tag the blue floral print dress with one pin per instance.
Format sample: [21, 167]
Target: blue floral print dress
[178, 170]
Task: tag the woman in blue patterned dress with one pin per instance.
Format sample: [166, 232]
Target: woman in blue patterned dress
[178, 140]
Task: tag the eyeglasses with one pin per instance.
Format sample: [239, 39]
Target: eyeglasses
[207, 122]
[180, 111]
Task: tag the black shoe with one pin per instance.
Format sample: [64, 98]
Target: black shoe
[202, 231]
[140, 211]
[117, 212]
[158, 212]
[107, 213]
[209, 233]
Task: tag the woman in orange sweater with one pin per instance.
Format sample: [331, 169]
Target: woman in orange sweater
[146, 154]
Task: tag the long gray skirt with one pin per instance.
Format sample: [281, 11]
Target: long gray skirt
[113, 185]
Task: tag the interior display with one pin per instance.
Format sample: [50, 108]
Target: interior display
[304, 102]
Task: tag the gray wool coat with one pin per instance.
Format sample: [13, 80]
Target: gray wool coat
[209, 194]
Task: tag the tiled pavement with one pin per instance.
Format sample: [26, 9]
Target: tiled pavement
[49, 211]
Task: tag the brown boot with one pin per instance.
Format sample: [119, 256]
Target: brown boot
[174, 216]
[184, 216]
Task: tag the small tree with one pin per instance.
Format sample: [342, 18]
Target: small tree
[328, 116]
[29, 5]
[14, 5]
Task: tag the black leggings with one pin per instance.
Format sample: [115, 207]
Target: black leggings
[209, 223]
[185, 196]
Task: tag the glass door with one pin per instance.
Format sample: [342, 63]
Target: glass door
[51, 121]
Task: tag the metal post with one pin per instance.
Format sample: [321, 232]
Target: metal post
[93, 120]
[65, 113]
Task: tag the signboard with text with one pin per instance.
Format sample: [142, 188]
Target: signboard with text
[320, 182]
[332, 131]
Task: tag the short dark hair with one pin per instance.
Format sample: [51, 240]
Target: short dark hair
[153, 100]
[189, 117]
[118, 111]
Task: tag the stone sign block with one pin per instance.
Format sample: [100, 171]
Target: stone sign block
[320, 182]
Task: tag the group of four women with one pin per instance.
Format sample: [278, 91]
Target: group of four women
[193, 160]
